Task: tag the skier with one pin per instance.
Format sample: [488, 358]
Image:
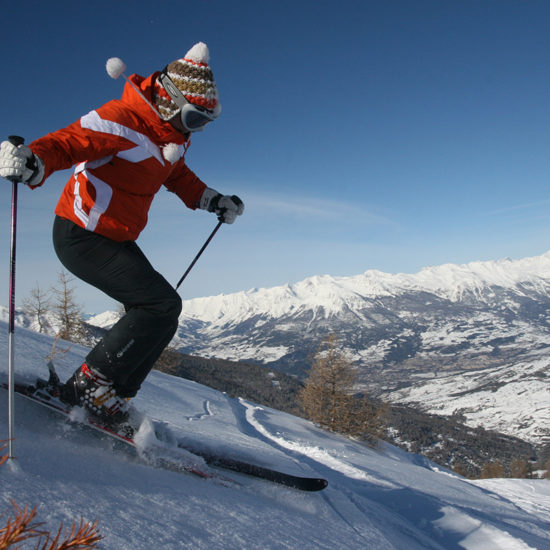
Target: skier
[124, 152]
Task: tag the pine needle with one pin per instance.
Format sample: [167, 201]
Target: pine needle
[20, 527]
[5, 457]
[85, 536]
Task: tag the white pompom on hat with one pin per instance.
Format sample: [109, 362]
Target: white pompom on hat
[172, 152]
[193, 77]
[115, 67]
[199, 53]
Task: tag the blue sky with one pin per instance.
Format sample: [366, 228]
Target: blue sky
[390, 134]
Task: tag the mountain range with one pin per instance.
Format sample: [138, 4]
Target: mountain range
[470, 340]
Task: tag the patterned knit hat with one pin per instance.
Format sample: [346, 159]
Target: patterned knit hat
[193, 78]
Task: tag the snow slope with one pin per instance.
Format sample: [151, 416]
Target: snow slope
[513, 399]
[383, 499]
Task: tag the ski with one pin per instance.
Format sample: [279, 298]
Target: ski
[302, 483]
[45, 392]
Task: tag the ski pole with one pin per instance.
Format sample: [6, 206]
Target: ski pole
[15, 140]
[199, 254]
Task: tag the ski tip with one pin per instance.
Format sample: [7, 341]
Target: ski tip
[317, 484]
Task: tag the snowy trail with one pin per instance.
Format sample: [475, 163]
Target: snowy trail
[380, 499]
[302, 448]
[463, 529]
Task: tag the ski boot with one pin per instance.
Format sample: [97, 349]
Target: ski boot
[92, 390]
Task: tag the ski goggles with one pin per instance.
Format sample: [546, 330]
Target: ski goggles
[193, 117]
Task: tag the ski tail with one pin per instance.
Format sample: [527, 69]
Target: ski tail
[52, 385]
[54, 378]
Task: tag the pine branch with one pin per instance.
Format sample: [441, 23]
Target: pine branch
[20, 527]
[86, 536]
[5, 457]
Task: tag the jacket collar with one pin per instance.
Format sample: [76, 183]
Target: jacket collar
[163, 131]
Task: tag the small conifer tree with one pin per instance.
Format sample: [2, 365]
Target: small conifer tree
[67, 310]
[520, 468]
[328, 398]
[493, 469]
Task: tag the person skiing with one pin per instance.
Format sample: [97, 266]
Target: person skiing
[124, 152]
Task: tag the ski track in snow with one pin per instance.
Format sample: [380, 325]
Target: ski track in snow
[319, 455]
[199, 416]
[354, 516]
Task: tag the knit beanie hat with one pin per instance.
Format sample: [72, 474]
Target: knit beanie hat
[193, 77]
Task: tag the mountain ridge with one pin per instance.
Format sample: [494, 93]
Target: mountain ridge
[450, 281]
[446, 280]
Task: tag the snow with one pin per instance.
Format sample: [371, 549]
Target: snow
[380, 498]
[511, 398]
[105, 320]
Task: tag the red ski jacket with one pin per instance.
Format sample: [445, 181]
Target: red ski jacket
[118, 152]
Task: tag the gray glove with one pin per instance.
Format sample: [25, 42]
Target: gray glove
[19, 163]
[226, 207]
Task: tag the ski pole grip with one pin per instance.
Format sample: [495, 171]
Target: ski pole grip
[16, 140]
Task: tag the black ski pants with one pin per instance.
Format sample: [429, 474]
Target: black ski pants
[128, 351]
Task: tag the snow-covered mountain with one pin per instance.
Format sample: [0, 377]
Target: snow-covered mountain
[434, 338]
[472, 315]
[512, 399]
[377, 498]
[481, 310]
